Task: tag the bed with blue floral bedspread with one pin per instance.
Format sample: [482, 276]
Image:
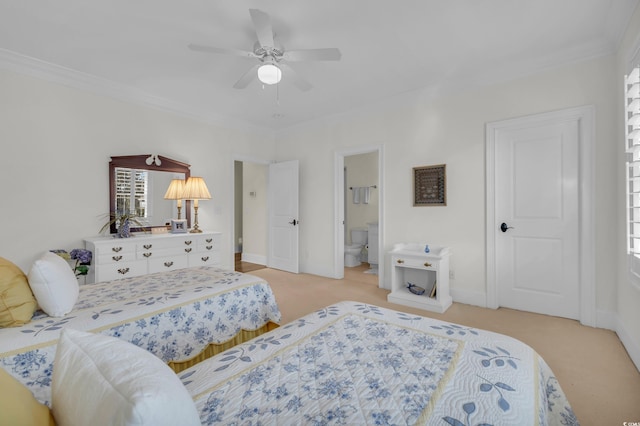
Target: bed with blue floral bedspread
[353, 363]
[175, 315]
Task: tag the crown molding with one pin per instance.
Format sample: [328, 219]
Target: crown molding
[26, 65]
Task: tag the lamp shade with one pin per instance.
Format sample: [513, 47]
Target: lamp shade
[174, 192]
[195, 189]
[269, 74]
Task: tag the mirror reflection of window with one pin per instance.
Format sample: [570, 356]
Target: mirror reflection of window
[132, 193]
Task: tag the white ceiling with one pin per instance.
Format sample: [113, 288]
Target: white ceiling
[138, 48]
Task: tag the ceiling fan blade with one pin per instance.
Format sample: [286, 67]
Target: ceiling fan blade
[327, 54]
[262, 24]
[290, 74]
[222, 50]
[247, 77]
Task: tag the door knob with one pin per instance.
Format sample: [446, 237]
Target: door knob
[294, 222]
[504, 227]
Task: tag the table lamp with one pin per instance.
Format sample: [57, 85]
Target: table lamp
[174, 192]
[195, 189]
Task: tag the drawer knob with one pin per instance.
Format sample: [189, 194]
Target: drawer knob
[400, 261]
[205, 258]
[188, 242]
[427, 264]
[116, 249]
[147, 246]
[116, 258]
[147, 254]
[188, 250]
[209, 247]
[209, 240]
[123, 270]
[168, 264]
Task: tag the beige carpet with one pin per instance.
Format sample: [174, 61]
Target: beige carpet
[594, 370]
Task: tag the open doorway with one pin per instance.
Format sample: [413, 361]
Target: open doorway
[250, 215]
[359, 200]
[361, 212]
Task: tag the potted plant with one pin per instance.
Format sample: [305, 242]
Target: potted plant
[123, 221]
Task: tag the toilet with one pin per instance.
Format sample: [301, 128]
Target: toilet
[352, 251]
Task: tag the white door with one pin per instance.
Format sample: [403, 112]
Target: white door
[536, 222]
[283, 216]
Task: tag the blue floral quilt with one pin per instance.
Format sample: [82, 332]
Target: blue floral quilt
[173, 314]
[353, 363]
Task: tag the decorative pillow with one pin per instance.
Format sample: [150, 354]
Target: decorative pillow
[102, 380]
[18, 406]
[17, 303]
[54, 284]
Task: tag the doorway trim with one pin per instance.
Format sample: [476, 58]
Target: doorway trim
[339, 218]
[232, 219]
[584, 115]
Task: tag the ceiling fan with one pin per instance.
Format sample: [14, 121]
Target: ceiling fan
[271, 56]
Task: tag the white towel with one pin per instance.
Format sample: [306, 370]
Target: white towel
[356, 195]
[365, 194]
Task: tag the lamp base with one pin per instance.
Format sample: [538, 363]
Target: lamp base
[195, 229]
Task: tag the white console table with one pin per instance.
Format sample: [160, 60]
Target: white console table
[115, 258]
[410, 264]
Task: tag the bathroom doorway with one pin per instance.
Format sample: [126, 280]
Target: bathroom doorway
[359, 202]
[250, 215]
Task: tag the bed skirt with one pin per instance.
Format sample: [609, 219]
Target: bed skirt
[215, 348]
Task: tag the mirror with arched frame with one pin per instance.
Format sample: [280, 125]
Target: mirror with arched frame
[141, 181]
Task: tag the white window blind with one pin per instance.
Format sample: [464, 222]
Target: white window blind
[132, 191]
[632, 142]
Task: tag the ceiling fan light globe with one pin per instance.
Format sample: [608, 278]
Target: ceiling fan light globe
[269, 74]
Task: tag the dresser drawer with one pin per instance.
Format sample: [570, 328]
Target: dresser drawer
[159, 252]
[116, 247]
[205, 259]
[209, 242]
[166, 243]
[121, 270]
[106, 259]
[168, 263]
[407, 262]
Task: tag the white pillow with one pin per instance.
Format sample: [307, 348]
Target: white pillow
[54, 284]
[102, 380]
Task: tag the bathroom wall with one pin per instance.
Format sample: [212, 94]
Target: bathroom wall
[254, 212]
[362, 170]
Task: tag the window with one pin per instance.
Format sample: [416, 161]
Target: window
[132, 192]
[632, 145]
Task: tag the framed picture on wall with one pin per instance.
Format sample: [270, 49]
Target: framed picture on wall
[430, 185]
[178, 226]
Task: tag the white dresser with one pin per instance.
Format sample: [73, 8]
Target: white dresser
[115, 258]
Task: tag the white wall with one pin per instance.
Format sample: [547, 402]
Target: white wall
[56, 142]
[419, 130]
[362, 170]
[254, 212]
[627, 319]
[237, 209]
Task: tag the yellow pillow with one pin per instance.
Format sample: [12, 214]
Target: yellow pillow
[17, 303]
[19, 407]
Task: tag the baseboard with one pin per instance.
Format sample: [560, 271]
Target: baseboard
[258, 259]
[607, 319]
[475, 298]
[315, 270]
[632, 346]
